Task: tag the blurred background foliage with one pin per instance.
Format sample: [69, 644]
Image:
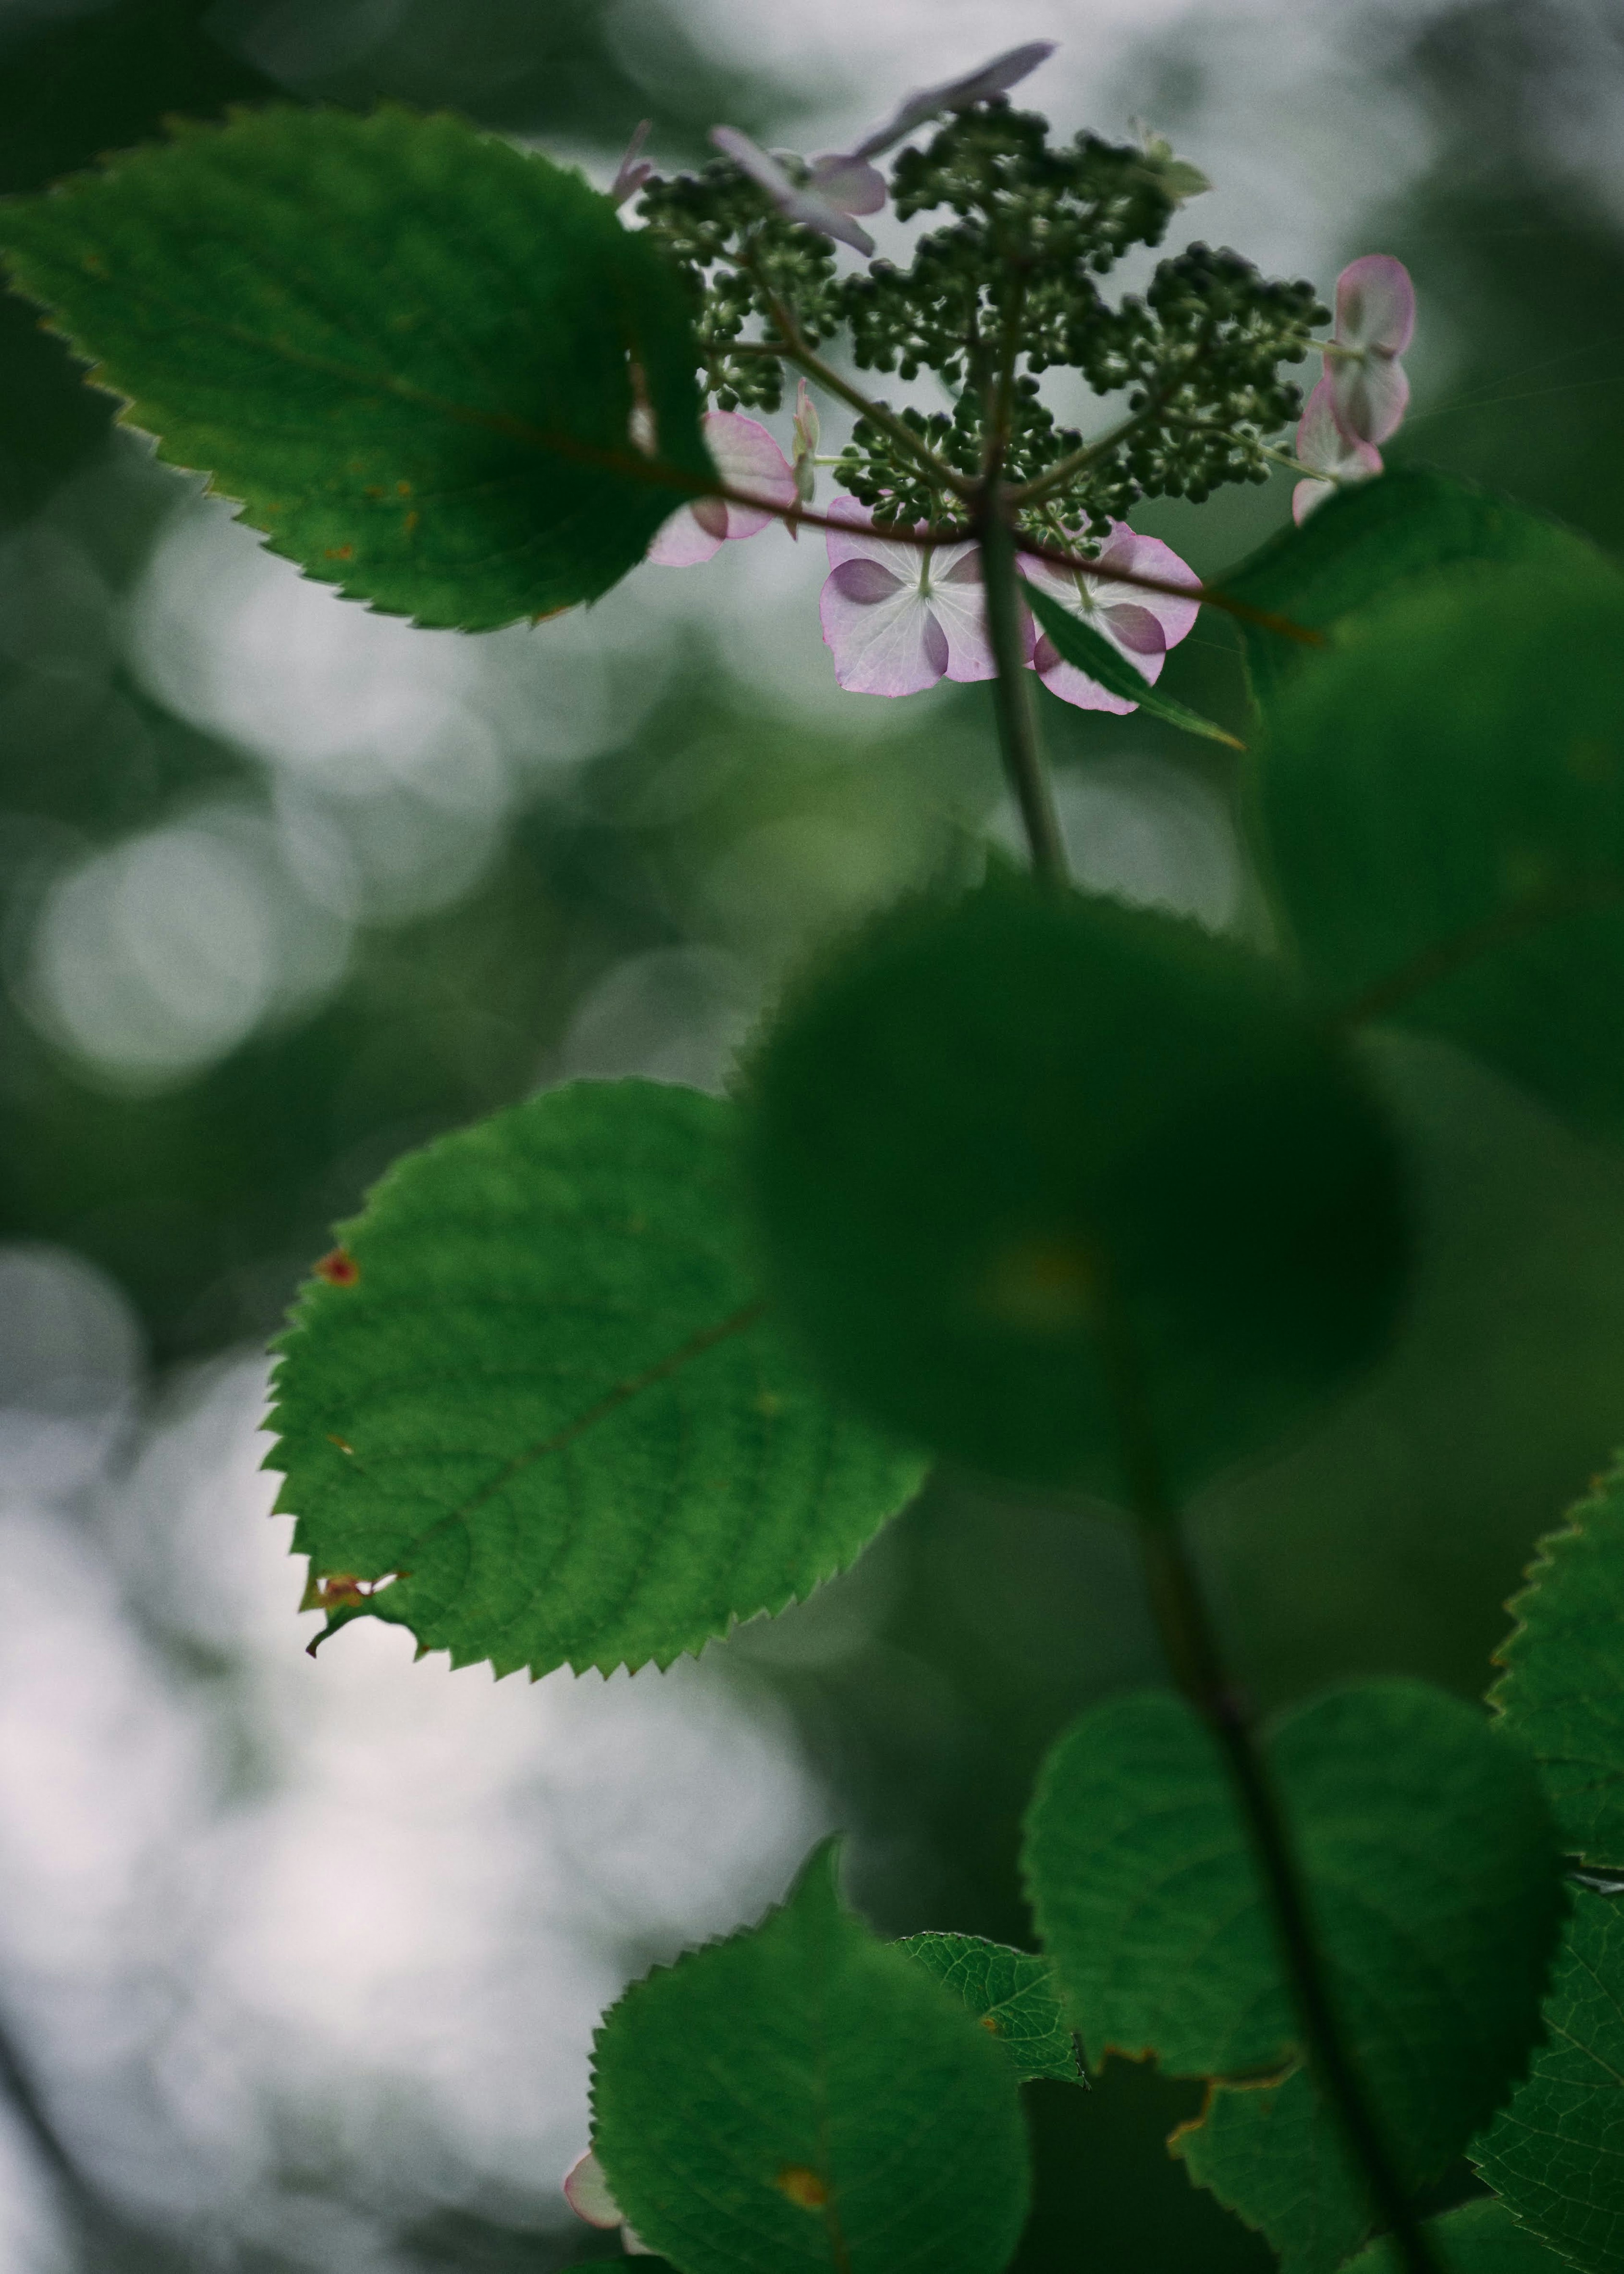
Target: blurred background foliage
[277, 901]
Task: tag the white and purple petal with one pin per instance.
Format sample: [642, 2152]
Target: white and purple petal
[1375, 322]
[1143, 625]
[746, 456]
[795, 201]
[1338, 457]
[998, 76]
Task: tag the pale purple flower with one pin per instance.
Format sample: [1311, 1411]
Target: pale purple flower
[746, 458]
[799, 202]
[1375, 321]
[897, 617]
[588, 2194]
[998, 76]
[1143, 625]
[1321, 443]
[635, 169]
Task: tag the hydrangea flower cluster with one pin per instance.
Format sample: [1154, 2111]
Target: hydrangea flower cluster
[1003, 291]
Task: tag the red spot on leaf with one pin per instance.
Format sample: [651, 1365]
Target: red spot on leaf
[338, 1267]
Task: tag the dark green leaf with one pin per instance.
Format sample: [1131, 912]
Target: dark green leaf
[1276, 2158]
[1556, 2155]
[804, 2097]
[1480, 2238]
[541, 1390]
[1033, 1167]
[1443, 798]
[1562, 1693]
[1091, 651]
[1010, 1992]
[411, 350]
[1404, 532]
[1434, 1877]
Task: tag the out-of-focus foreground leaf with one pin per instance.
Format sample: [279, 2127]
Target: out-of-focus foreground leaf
[803, 2096]
[414, 353]
[1480, 2238]
[1403, 533]
[1442, 805]
[1042, 1178]
[538, 1385]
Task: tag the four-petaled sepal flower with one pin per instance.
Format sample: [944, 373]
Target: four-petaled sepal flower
[897, 617]
[1338, 457]
[747, 459]
[1143, 625]
[588, 2193]
[1375, 322]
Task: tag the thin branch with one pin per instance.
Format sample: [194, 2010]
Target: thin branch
[1065, 470]
[1018, 733]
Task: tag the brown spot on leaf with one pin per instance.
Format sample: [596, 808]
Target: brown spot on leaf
[340, 552]
[804, 2185]
[989, 2023]
[338, 1267]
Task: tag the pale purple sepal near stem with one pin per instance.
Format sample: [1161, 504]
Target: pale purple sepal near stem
[1142, 625]
[998, 76]
[795, 201]
[1375, 323]
[1339, 458]
[635, 169]
[898, 617]
[746, 458]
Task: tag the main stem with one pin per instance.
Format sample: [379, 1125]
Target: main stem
[1017, 726]
[1182, 1620]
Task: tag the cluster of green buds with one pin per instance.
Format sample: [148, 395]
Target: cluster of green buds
[1004, 291]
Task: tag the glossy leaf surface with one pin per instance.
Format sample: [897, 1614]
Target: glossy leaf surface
[1011, 1994]
[536, 1382]
[1091, 651]
[1036, 1171]
[1432, 1871]
[805, 2096]
[1406, 532]
[1562, 1693]
[411, 350]
[1442, 799]
[1556, 2155]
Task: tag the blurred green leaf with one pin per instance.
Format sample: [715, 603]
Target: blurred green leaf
[803, 2095]
[412, 351]
[538, 1385]
[1556, 2155]
[1562, 1693]
[1091, 651]
[1011, 1993]
[1027, 1162]
[1275, 2156]
[1442, 800]
[1480, 2238]
[1401, 533]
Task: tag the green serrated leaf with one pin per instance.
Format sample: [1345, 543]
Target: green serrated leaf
[1480, 2238]
[1433, 1874]
[1442, 805]
[413, 351]
[1275, 2156]
[803, 2095]
[1403, 532]
[537, 1384]
[1555, 2156]
[1010, 1992]
[1028, 1157]
[1091, 651]
[1562, 1692]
